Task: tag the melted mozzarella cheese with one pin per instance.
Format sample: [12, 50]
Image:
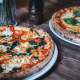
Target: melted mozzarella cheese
[78, 18]
[7, 38]
[24, 37]
[7, 32]
[15, 62]
[17, 49]
[35, 36]
[26, 44]
[68, 15]
[21, 28]
[3, 48]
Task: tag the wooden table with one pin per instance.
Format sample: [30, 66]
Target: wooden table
[67, 66]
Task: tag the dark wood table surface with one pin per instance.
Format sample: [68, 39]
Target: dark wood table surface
[67, 66]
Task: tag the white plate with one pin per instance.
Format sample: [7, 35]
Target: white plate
[60, 36]
[46, 68]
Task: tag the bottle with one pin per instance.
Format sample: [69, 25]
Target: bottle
[8, 12]
[36, 11]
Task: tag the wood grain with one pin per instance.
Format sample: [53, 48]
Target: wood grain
[67, 66]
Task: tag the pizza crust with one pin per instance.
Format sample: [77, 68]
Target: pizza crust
[64, 32]
[34, 69]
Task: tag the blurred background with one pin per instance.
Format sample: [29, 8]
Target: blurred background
[51, 5]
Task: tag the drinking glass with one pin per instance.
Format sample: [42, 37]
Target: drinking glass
[8, 12]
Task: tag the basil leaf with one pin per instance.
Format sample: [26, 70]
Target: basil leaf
[76, 13]
[14, 44]
[15, 69]
[35, 47]
[71, 21]
[42, 43]
[4, 36]
[8, 51]
[28, 50]
[4, 43]
[13, 54]
[35, 58]
[1, 69]
[32, 42]
[30, 54]
[22, 54]
[37, 33]
[73, 31]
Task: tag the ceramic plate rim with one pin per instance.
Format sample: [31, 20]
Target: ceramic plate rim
[60, 36]
[46, 68]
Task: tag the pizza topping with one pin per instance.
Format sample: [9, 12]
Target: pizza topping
[12, 29]
[3, 48]
[15, 69]
[4, 36]
[28, 50]
[35, 58]
[62, 25]
[7, 32]
[76, 13]
[11, 46]
[32, 42]
[3, 60]
[5, 43]
[1, 69]
[73, 31]
[20, 54]
[14, 44]
[12, 39]
[67, 15]
[37, 41]
[22, 48]
[37, 33]
[72, 21]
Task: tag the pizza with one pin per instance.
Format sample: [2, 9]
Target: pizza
[67, 22]
[23, 51]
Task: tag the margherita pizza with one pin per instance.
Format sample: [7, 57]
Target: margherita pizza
[23, 51]
[67, 22]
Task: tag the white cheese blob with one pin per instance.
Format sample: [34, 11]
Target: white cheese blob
[77, 18]
[3, 48]
[26, 44]
[15, 62]
[17, 49]
[7, 32]
[68, 15]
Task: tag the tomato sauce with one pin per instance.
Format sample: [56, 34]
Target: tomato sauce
[62, 25]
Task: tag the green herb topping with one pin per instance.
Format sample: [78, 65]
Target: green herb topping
[73, 31]
[13, 45]
[28, 50]
[37, 33]
[35, 58]
[1, 69]
[72, 21]
[4, 36]
[32, 42]
[15, 69]
[76, 13]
